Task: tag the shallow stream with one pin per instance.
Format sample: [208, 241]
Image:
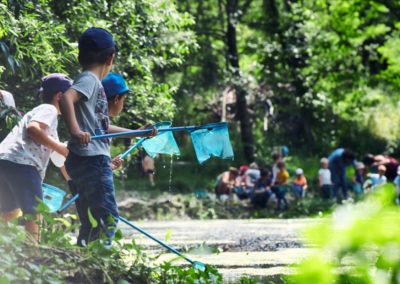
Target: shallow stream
[262, 249]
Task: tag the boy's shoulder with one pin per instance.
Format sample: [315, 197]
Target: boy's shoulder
[44, 108]
[45, 113]
[86, 83]
[87, 75]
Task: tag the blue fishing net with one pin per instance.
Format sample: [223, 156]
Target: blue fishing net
[53, 197]
[212, 140]
[163, 143]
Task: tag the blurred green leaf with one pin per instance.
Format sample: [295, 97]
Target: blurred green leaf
[92, 220]
[168, 235]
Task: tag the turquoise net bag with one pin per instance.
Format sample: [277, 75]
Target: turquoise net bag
[212, 140]
[163, 143]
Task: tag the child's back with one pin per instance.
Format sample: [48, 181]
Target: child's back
[25, 153]
[91, 114]
[18, 148]
[85, 109]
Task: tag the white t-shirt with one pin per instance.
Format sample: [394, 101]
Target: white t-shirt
[8, 98]
[377, 179]
[326, 176]
[275, 171]
[17, 147]
[252, 175]
[397, 183]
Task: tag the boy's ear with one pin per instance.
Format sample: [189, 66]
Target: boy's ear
[110, 60]
[59, 96]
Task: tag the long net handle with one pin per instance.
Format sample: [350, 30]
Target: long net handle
[133, 147]
[69, 203]
[148, 131]
[155, 239]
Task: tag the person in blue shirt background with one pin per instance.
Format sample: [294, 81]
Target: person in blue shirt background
[397, 183]
[339, 160]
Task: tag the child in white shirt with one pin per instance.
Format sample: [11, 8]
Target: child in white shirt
[325, 180]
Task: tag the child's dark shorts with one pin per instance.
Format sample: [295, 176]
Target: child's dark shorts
[93, 179]
[20, 187]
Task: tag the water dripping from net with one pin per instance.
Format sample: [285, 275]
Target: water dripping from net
[170, 175]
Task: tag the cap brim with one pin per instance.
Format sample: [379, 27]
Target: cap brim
[125, 91]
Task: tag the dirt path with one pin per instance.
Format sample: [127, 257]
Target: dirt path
[262, 248]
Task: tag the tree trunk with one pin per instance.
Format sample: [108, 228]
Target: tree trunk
[241, 103]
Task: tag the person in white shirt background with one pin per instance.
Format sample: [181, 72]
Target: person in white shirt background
[325, 179]
[397, 183]
[379, 178]
[7, 98]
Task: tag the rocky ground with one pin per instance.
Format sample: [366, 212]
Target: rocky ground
[263, 249]
[168, 207]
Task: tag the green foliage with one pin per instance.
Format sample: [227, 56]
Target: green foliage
[329, 67]
[347, 56]
[359, 244]
[28, 42]
[37, 38]
[33, 43]
[153, 38]
[56, 260]
[93, 221]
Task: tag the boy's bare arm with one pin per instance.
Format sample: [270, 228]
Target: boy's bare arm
[64, 173]
[117, 129]
[36, 132]
[116, 163]
[69, 98]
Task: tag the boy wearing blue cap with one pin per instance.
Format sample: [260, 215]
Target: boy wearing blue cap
[85, 109]
[116, 91]
[25, 153]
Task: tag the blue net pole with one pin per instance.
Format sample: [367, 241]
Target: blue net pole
[127, 152]
[148, 131]
[69, 203]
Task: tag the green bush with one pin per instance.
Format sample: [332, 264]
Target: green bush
[57, 260]
[359, 244]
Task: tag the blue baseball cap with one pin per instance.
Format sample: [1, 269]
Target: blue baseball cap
[114, 84]
[55, 83]
[96, 39]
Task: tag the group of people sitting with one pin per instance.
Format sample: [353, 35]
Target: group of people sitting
[259, 185]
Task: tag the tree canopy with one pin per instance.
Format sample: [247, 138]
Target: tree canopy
[40, 37]
[329, 69]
